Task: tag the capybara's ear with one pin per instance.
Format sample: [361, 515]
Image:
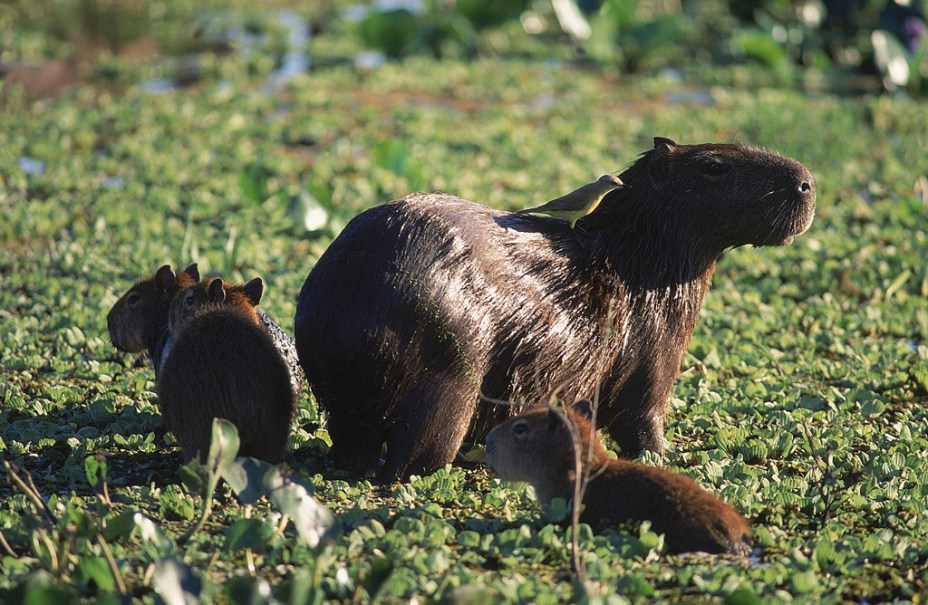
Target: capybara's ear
[253, 290]
[164, 278]
[215, 292]
[663, 144]
[193, 271]
[584, 407]
[658, 158]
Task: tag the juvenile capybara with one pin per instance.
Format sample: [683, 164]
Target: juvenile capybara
[421, 304]
[224, 365]
[539, 448]
[218, 292]
[139, 319]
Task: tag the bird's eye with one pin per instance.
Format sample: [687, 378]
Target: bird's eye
[714, 167]
[520, 428]
[133, 299]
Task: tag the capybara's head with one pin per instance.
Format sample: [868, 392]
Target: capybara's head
[726, 195]
[538, 446]
[143, 310]
[214, 293]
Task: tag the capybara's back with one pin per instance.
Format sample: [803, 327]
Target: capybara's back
[224, 366]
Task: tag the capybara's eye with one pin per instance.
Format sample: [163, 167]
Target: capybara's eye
[714, 167]
[133, 299]
[189, 300]
[520, 428]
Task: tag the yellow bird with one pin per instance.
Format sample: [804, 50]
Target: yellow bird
[577, 204]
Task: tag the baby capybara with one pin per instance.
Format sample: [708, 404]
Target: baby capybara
[139, 319]
[538, 448]
[217, 292]
[223, 365]
[423, 303]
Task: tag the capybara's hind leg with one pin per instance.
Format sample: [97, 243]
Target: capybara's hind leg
[354, 448]
[428, 431]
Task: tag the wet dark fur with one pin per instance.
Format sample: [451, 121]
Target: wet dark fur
[537, 448]
[422, 303]
[223, 365]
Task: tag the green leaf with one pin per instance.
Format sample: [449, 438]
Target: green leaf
[252, 180]
[95, 469]
[247, 533]
[96, 570]
[41, 591]
[246, 478]
[380, 571]
[223, 447]
[873, 407]
[154, 542]
[556, 510]
[743, 596]
[920, 376]
[250, 479]
[804, 582]
[391, 32]
[119, 526]
[898, 282]
[176, 583]
[312, 520]
[761, 47]
[176, 505]
[636, 586]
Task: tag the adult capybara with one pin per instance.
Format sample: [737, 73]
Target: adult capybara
[540, 448]
[421, 304]
[224, 365]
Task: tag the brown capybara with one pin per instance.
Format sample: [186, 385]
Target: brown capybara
[539, 448]
[421, 304]
[139, 319]
[224, 365]
[217, 292]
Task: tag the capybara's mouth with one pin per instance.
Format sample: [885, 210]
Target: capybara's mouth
[797, 212]
[799, 222]
[793, 218]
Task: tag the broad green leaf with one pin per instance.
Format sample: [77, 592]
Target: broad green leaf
[176, 583]
[156, 544]
[247, 533]
[312, 520]
[96, 570]
[380, 571]
[743, 596]
[250, 479]
[95, 469]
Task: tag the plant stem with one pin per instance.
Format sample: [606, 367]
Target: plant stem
[114, 568]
